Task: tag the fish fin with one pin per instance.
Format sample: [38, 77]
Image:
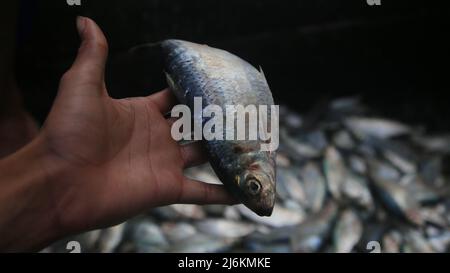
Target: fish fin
[262, 73]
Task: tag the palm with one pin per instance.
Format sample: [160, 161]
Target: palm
[121, 151]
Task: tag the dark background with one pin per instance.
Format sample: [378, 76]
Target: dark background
[395, 56]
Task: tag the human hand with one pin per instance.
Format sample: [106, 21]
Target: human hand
[114, 158]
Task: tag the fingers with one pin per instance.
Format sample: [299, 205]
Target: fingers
[164, 100]
[196, 192]
[193, 154]
[89, 65]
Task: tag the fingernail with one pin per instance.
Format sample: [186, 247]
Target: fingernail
[81, 24]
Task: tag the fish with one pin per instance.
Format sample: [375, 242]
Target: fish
[175, 232]
[347, 232]
[397, 200]
[201, 243]
[148, 237]
[221, 78]
[335, 171]
[315, 186]
[224, 228]
[110, 238]
[392, 242]
[297, 148]
[415, 242]
[289, 185]
[343, 140]
[281, 216]
[310, 235]
[364, 127]
[357, 191]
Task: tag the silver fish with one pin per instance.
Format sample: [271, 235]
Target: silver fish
[179, 231]
[221, 78]
[397, 200]
[381, 128]
[348, 231]
[110, 238]
[310, 235]
[335, 171]
[201, 243]
[281, 216]
[314, 185]
[224, 228]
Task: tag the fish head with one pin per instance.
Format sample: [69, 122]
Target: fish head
[258, 186]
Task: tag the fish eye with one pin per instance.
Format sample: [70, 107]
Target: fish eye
[254, 187]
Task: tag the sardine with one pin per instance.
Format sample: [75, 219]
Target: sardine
[375, 127]
[224, 228]
[348, 231]
[221, 78]
[335, 171]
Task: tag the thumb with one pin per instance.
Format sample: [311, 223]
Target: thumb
[90, 62]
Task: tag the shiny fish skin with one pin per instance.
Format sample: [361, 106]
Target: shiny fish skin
[221, 78]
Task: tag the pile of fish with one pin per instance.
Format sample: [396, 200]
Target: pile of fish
[347, 181]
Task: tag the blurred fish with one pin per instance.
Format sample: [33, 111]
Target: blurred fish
[335, 171]
[179, 231]
[274, 240]
[343, 140]
[314, 186]
[189, 211]
[392, 241]
[435, 215]
[356, 190]
[441, 241]
[347, 232]
[224, 228]
[416, 243]
[280, 217]
[147, 237]
[423, 193]
[200, 243]
[298, 149]
[364, 127]
[110, 238]
[434, 144]
[311, 234]
[289, 185]
[382, 171]
[357, 164]
[397, 200]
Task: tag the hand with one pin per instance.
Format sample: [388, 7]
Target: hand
[114, 158]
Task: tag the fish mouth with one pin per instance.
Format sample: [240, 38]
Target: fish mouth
[261, 207]
[265, 211]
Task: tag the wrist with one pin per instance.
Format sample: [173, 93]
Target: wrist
[29, 215]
